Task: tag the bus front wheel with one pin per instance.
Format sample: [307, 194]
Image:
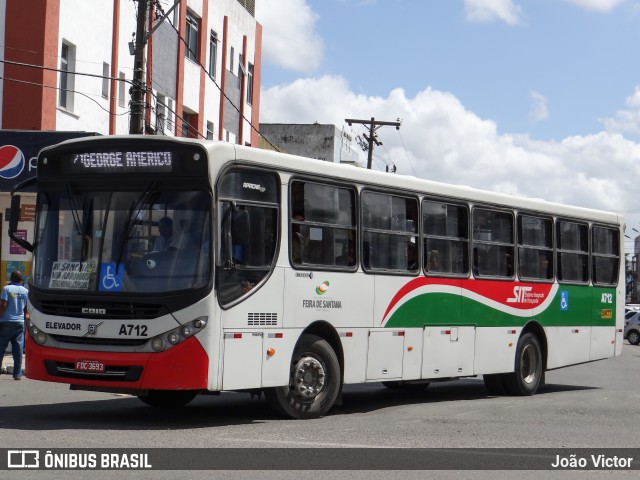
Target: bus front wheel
[314, 381]
[168, 398]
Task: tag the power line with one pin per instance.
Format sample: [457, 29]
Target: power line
[86, 95]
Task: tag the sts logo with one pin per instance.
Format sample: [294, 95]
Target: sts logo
[11, 162]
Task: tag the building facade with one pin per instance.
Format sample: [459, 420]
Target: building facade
[319, 141]
[68, 65]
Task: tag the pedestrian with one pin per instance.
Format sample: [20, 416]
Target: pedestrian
[13, 312]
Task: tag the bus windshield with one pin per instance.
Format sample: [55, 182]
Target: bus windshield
[128, 242]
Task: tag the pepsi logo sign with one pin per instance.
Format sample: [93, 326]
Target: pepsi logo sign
[11, 162]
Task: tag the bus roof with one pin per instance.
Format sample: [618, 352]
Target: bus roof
[408, 183]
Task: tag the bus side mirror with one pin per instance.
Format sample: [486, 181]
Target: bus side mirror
[14, 216]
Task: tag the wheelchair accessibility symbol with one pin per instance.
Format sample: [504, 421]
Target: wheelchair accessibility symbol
[110, 281]
[564, 300]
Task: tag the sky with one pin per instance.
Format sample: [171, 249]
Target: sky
[538, 98]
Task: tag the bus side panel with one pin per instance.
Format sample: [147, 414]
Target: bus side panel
[603, 333]
[345, 300]
[495, 349]
[567, 345]
[354, 348]
[244, 326]
[448, 351]
[412, 358]
[275, 368]
[384, 358]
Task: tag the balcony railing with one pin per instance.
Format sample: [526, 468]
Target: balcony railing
[249, 5]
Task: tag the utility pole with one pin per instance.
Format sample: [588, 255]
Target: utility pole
[139, 84]
[373, 126]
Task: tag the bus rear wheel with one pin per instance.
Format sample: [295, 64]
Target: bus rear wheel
[528, 368]
[168, 398]
[314, 381]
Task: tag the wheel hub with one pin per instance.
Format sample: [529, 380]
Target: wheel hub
[308, 377]
[529, 364]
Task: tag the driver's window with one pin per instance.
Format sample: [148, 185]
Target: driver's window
[248, 231]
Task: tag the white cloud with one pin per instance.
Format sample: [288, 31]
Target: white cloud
[489, 10]
[597, 5]
[539, 107]
[446, 142]
[294, 45]
[626, 121]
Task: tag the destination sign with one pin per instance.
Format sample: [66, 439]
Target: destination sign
[118, 162]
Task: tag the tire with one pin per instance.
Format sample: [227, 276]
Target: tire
[528, 367]
[407, 386]
[634, 337]
[168, 398]
[314, 381]
[495, 383]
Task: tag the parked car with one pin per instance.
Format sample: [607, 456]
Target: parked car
[632, 329]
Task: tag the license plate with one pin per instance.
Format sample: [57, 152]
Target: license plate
[89, 366]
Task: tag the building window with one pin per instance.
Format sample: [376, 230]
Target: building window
[105, 80]
[231, 55]
[191, 37]
[186, 124]
[67, 67]
[250, 84]
[170, 114]
[213, 53]
[209, 130]
[121, 89]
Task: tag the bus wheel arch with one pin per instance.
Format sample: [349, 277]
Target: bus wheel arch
[529, 363]
[315, 380]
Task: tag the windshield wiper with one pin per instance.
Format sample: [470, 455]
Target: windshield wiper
[134, 211]
[73, 205]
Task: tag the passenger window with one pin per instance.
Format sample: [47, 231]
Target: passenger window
[606, 255]
[445, 238]
[493, 243]
[572, 251]
[390, 230]
[322, 225]
[535, 248]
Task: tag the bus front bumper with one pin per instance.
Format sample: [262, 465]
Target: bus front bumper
[182, 367]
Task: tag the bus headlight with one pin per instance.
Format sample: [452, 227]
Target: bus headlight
[177, 335]
[157, 344]
[173, 338]
[38, 335]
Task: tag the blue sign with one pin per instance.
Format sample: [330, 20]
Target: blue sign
[110, 281]
[564, 300]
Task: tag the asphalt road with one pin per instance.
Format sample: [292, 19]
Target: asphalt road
[594, 405]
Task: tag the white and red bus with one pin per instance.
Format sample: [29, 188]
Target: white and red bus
[165, 268]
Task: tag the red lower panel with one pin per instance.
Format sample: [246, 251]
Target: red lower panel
[183, 367]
